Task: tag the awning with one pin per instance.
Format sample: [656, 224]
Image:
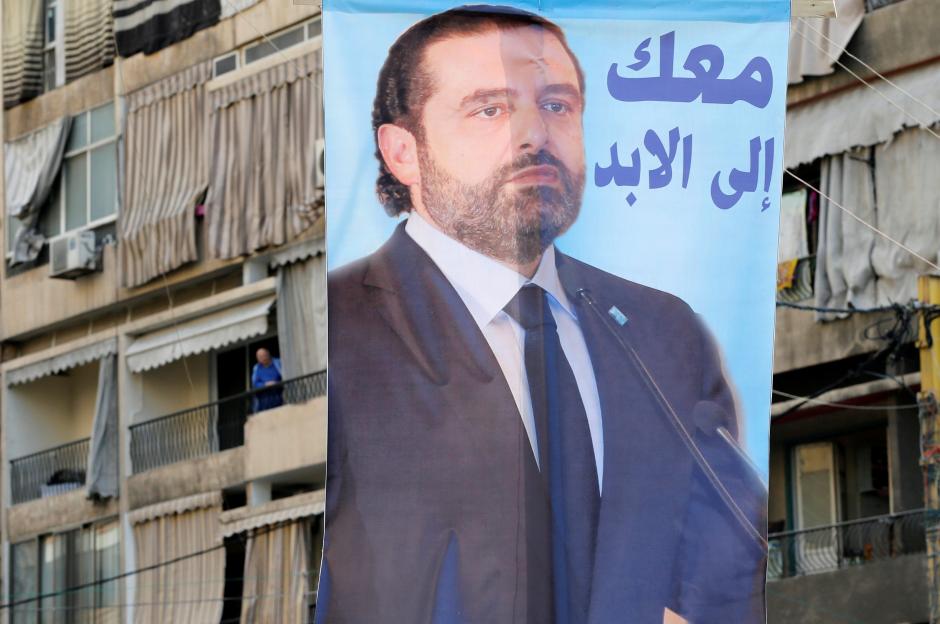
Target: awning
[243, 519]
[205, 333]
[860, 117]
[175, 506]
[63, 362]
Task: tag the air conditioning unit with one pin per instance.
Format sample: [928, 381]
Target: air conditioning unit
[321, 163]
[72, 255]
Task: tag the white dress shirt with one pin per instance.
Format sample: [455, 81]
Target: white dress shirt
[486, 286]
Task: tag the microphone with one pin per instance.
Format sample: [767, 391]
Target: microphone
[709, 419]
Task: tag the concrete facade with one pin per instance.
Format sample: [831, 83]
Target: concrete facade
[892, 591]
[282, 456]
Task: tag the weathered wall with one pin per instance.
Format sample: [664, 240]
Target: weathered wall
[892, 591]
[214, 472]
[55, 513]
[51, 411]
[800, 341]
[285, 439]
[177, 386]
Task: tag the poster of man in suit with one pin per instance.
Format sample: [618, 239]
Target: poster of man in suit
[551, 238]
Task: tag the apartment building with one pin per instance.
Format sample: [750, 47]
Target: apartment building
[164, 207]
[847, 491]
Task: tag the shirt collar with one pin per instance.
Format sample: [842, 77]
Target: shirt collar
[484, 285]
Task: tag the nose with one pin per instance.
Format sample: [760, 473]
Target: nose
[530, 134]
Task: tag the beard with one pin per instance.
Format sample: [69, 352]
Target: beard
[496, 218]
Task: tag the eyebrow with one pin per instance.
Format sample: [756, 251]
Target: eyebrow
[484, 95]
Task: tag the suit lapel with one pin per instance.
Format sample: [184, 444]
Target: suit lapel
[422, 307]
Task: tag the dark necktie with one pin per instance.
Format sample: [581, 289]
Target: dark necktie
[566, 454]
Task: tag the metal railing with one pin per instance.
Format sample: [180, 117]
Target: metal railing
[827, 548]
[49, 472]
[213, 427]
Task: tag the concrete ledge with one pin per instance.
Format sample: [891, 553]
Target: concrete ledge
[891, 590]
[59, 512]
[286, 438]
[801, 341]
[214, 472]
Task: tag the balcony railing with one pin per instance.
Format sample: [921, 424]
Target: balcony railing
[214, 427]
[49, 472]
[823, 549]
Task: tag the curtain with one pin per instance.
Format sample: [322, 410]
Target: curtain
[279, 574]
[190, 590]
[908, 210]
[301, 316]
[844, 273]
[23, 40]
[153, 25]
[89, 43]
[792, 241]
[264, 187]
[31, 165]
[812, 54]
[165, 174]
[102, 480]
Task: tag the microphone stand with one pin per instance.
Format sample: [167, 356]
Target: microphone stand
[679, 427]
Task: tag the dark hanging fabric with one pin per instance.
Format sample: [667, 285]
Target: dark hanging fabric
[151, 25]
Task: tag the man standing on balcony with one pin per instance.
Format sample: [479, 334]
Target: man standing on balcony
[266, 372]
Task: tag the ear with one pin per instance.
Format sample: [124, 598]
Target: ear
[400, 153]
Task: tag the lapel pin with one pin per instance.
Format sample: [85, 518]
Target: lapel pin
[617, 315]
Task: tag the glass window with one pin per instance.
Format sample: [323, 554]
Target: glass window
[50, 21]
[103, 181]
[226, 64]
[50, 219]
[102, 122]
[107, 565]
[67, 560]
[78, 135]
[52, 579]
[269, 46]
[76, 192]
[314, 29]
[25, 580]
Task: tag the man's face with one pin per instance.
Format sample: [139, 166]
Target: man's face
[263, 357]
[501, 149]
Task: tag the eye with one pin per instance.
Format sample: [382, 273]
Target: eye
[489, 112]
[559, 108]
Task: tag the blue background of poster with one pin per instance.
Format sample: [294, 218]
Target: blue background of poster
[721, 261]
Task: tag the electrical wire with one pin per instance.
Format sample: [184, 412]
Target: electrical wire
[873, 70]
[862, 221]
[242, 537]
[872, 408]
[924, 125]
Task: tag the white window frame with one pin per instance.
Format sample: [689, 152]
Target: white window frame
[242, 65]
[57, 45]
[87, 149]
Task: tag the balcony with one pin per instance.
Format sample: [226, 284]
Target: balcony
[847, 544]
[46, 473]
[200, 431]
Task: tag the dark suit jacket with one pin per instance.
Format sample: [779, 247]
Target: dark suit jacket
[427, 453]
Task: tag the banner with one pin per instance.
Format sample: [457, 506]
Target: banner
[552, 233]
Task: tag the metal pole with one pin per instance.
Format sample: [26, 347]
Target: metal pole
[928, 290]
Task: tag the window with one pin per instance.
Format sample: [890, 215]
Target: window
[53, 57]
[58, 561]
[85, 194]
[268, 46]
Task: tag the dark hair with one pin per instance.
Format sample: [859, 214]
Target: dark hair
[404, 86]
